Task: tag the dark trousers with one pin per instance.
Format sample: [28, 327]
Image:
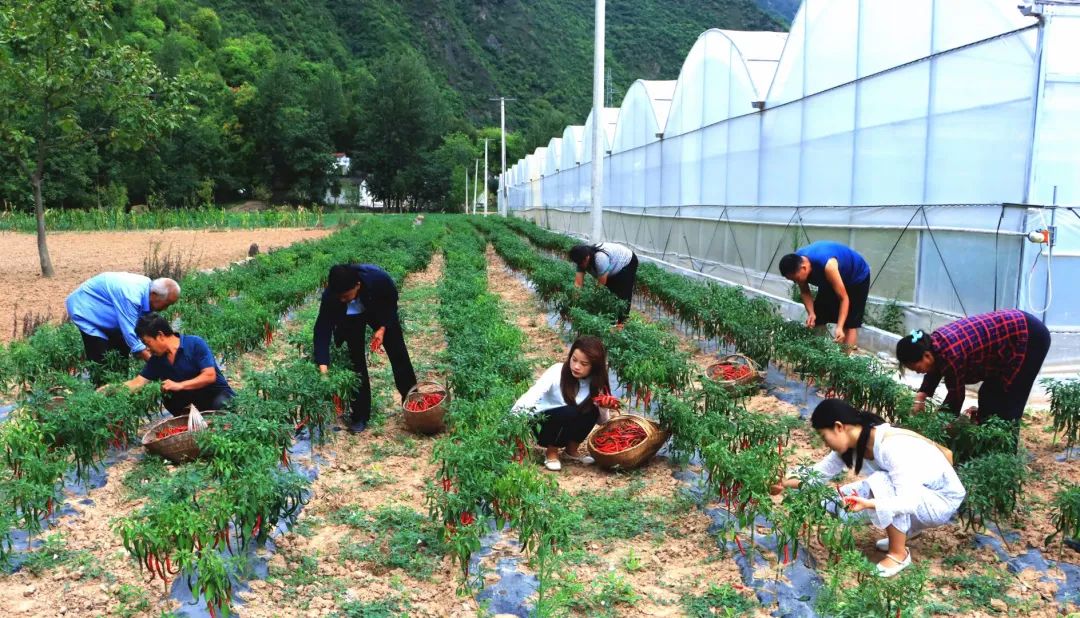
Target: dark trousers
[352, 331]
[1009, 403]
[621, 285]
[96, 348]
[209, 398]
[565, 424]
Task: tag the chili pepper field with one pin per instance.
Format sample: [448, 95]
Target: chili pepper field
[291, 518]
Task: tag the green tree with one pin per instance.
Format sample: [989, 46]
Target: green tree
[63, 84]
[403, 115]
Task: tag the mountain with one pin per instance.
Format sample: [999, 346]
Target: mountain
[537, 51]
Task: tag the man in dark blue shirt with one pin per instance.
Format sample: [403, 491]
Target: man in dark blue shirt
[358, 296]
[184, 364]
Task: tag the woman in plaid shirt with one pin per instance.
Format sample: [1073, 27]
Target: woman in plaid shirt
[1004, 350]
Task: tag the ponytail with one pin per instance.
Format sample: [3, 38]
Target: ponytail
[578, 253]
[832, 411]
[910, 349]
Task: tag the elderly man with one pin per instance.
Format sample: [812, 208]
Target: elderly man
[106, 307]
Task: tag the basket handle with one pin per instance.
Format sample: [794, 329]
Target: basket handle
[749, 361]
[416, 387]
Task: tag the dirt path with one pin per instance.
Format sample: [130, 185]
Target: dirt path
[384, 468]
[681, 560]
[949, 550]
[77, 256]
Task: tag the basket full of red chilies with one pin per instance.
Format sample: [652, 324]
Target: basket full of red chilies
[424, 407]
[626, 441]
[170, 438]
[734, 371]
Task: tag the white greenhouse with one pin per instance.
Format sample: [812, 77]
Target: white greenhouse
[930, 135]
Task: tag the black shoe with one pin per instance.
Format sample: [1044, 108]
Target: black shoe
[356, 426]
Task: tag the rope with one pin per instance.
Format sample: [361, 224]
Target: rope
[778, 245]
[997, 239]
[943, 264]
[895, 245]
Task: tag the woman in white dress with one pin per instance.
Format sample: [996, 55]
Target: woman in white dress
[564, 399]
[910, 484]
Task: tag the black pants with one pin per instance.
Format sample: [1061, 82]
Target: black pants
[827, 304]
[210, 398]
[565, 424]
[96, 348]
[621, 285]
[1009, 403]
[353, 333]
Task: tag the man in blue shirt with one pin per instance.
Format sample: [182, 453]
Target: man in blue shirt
[358, 296]
[106, 307]
[842, 278]
[184, 364]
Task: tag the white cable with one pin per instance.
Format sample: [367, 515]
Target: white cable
[1049, 273]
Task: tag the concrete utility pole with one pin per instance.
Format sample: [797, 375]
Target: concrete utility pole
[476, 184]
[504, 207]
[466, 190]
[485, 176]
[598, 127]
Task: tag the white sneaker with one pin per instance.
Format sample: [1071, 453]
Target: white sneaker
[553, 464]
[897, 566]
[883, 544]
[585, 460]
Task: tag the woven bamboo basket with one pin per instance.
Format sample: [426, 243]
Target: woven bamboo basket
[756, 375]
[180, 448]
[634, 456]
[431, 420]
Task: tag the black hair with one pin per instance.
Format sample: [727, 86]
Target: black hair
[832, 411]
[790, 263]
[578, 253]
[342, 278]
[912, 347]
[594, 350]
[151, 325]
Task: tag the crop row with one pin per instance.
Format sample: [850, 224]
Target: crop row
[744, 452]
[112, 219]
[248, 486]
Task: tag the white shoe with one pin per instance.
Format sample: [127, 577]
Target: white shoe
[898, 565]
[553, 464]
[883, 544]
[585, 460]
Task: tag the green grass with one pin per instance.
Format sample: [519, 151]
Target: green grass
[402, 539]
[54, 553]
[625, 514]
[718, 601]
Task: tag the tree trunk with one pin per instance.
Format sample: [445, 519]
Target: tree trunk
[39, 212]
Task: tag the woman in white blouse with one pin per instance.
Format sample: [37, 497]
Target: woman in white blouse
[613, 265]
[910, 486]
[563, 398]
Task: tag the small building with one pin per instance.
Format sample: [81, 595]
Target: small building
[343, 162]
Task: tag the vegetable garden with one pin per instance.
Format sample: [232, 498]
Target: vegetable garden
[206, 523]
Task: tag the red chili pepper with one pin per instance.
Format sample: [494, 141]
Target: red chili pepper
[618, 438]
[739, 543]
[467, 518]
[787, 556]
[729, 371]
[258, 525]
[339, 408]
[169, 432]
[424, 403]
[285, 457]
[447, 485]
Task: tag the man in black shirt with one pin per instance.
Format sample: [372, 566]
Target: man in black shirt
[358, 296]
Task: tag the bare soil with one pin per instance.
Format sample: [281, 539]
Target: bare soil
[77, 256]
